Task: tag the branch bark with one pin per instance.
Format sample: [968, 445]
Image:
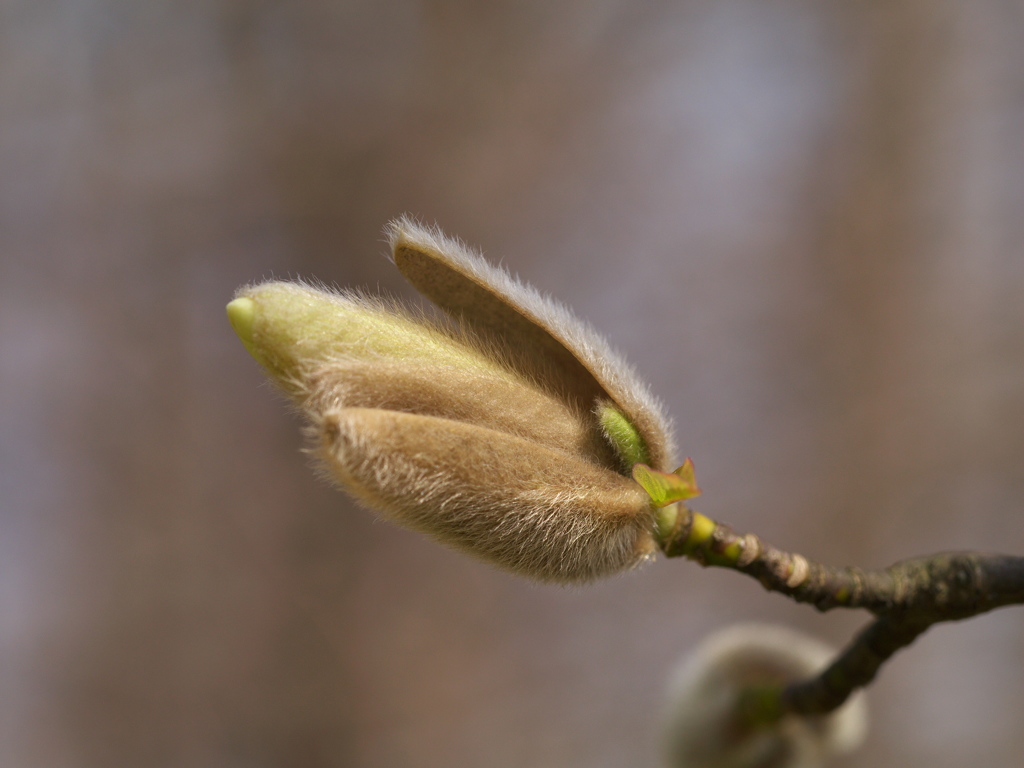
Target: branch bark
[907, 598]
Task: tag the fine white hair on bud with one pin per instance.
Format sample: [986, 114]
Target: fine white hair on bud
[517, 503]
[541, 335]
[704, 723]
[508, 431]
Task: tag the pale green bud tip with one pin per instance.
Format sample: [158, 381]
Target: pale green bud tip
[622, 435]
[292, 329]
[242, 316]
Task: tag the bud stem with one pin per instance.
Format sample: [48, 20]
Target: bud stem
[907, 597]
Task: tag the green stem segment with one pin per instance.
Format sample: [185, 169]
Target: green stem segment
[907, 597]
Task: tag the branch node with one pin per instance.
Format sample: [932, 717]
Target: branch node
[800, 568]
[750, 548]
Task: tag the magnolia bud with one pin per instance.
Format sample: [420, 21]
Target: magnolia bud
[706, 726]
[508, 432]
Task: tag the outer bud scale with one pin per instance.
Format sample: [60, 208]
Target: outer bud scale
[516, 503]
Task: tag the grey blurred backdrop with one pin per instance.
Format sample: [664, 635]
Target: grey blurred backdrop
[801, 220]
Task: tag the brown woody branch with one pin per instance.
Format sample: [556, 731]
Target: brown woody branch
[907, 598]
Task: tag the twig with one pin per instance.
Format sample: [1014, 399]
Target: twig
[907, 598]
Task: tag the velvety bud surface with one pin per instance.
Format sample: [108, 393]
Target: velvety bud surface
[508, 432]
[517, 503]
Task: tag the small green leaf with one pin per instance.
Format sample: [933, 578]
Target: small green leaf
[666, 488]
[687, 474]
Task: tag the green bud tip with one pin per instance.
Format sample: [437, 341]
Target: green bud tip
[622, 435]
[242, 316]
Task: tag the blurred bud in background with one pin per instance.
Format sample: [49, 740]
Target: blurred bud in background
[705, 727]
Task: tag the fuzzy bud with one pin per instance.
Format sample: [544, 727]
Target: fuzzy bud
[705, 726]
[508, 431]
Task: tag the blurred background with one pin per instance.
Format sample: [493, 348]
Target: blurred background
[802, 221]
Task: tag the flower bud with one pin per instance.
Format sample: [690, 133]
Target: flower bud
[508, 431]
[706, 727]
